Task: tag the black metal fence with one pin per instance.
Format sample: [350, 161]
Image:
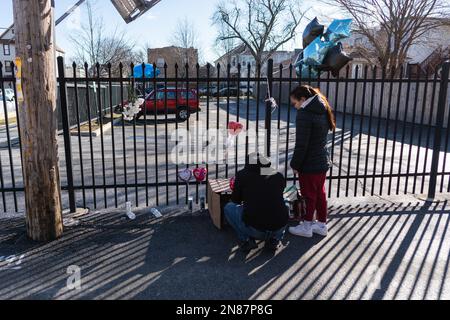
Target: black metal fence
[392, 134]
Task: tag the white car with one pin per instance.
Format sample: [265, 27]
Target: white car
[9, 95]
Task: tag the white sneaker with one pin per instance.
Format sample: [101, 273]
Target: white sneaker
[320, 228]
[302, 230]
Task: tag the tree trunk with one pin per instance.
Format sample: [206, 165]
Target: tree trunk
[34, 31]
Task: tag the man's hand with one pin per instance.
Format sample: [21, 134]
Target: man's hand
[295, 172]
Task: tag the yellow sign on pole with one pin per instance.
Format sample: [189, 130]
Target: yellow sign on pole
[18, 71]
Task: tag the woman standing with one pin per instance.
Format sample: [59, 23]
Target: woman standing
[310, 159]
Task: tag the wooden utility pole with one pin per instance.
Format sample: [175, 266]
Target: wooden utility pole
[34, 33]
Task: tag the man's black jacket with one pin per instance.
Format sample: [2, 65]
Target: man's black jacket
[262, 195]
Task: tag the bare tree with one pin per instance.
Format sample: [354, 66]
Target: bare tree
[93, 46]
[391, 27]
[185, 38]
[223, 43]
[263, 26]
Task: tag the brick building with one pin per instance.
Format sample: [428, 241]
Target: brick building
[174, 55]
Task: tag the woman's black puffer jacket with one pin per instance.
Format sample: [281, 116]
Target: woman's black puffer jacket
[310, 153]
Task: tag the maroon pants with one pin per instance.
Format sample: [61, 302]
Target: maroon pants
[312, 187]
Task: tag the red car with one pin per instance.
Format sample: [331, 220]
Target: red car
[181, 102]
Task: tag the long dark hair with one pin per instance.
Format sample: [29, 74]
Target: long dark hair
[305, 91]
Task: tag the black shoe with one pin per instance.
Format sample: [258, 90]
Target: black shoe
[272, 244]
[247, 246]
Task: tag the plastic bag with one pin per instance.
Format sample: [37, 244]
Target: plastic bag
[338, 30]
[335, 60]
[315, 53]
[313, 30]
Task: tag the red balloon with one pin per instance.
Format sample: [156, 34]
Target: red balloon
[234, 128]
[200, 174]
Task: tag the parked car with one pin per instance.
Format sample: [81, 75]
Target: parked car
[225, 92]
[246, 90]
[181, 102]
[9, 95]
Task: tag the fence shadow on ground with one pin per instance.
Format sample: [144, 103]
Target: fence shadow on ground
[372, 252]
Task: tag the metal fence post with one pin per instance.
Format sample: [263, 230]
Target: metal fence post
[66, 132]
[442, 102]
[268, 120]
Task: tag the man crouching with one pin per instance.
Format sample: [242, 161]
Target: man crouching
[257, 210]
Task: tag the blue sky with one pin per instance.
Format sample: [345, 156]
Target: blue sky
[155, 27]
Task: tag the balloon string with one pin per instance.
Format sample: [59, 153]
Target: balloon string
[271, 99]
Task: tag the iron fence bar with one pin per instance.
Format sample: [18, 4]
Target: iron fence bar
[344, 116]
[238, 102]
[133, 88]
[125, 177]
[197, 119]
[442, 103]
[280, 99]
[91, 145]
[166, 129]
[8, 137]
[80, 146]
[352, 127]
[361, 124]
[386, 129]
[396, 120]
[217, 120]
[369, 132]
[145, 129]
[411, 135]
[188, 144]
[113, 144]
[176, 132]
[333, 137]
[430, 122]
[258, 92]
[247, 121]
[67, 142]
[16, 108]
[208, 74]
[419, 140]
[289, 107]
[408, 93]
[100, 123]
[377, 139]
[268, 117]
[155, 90]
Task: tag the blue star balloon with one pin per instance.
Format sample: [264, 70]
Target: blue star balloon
[339, 29]
[315, 53]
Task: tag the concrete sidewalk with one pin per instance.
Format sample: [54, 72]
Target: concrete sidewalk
[390, 248]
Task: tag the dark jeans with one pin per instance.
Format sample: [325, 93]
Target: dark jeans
[234, 213]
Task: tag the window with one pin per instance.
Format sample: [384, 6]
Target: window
[6, 50]
[182, 95]
[161, 95]
[160, 62]
[8, 66]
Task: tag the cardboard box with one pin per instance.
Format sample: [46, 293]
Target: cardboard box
[219, 194]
